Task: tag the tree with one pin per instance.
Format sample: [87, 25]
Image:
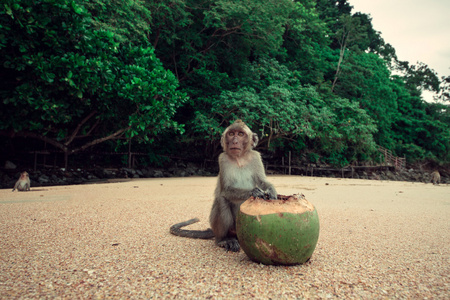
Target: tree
[444, 93]
[74, 86]
[350, 33]
[421, 130]
[418, 77]
[217, 36]
[365, 79]
[305, 48]
[274, 104]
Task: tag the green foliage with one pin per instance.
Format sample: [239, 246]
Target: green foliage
[305, 46]
[127, 19]
[275, 105]
[216, 35]
[313, 157]
[444, 93]
[365, 78]
[421, 129]
[419, 76]
[63, 78]
[308, 76]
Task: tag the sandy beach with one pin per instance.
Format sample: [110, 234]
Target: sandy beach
[378, 239]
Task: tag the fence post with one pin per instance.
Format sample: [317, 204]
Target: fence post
[129, 153]
[289, 162]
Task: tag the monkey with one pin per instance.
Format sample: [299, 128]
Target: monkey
[435, 177]
[23, 184]
[241, 175]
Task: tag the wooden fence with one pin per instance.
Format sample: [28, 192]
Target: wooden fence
[390, 160]
[387, 159]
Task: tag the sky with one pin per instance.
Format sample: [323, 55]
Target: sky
[418, 30]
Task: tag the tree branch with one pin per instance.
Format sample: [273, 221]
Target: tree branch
[74, 133]
[53, 142]
[100, 140]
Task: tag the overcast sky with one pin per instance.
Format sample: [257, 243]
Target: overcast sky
[418, 30]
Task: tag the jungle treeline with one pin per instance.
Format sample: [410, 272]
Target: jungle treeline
[165, 77]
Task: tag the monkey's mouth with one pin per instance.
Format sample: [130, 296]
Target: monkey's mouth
[234, 149]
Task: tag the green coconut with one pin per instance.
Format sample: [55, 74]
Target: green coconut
[278, 232]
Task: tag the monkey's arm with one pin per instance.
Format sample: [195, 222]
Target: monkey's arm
[261, 181]
[268, 189]
[15, 186]
[236, 195]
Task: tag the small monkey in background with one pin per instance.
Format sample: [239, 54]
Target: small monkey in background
[241, 175]
[23, 184]
[435, 177]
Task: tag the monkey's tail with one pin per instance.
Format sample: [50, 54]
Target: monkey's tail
[194, 234]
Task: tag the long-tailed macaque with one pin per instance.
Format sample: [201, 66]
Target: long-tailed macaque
[241, 175]
[435, 177]
[23, 184]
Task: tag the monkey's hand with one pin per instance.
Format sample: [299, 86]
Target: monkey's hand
[258, 193]
[266, 195]
[271, 194]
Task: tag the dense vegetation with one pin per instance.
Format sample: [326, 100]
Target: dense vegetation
[308, 76]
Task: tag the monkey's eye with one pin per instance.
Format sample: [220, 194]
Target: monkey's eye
[241, 133]
[230, 133]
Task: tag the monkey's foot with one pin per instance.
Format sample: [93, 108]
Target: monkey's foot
[230, 244]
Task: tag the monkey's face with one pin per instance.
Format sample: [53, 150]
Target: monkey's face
[237, 141]
[24, 175]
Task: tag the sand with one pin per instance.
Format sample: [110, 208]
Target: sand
[378, 239]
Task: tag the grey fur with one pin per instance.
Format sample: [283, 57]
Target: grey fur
[23, 184]
[435, 177]
[240, 177]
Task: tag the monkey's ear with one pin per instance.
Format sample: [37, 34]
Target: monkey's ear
[223, 142]
[255, 140]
